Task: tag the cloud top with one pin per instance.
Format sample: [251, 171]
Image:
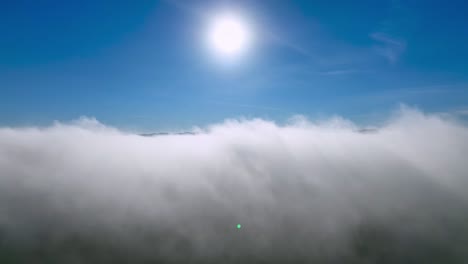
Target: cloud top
[84, 192]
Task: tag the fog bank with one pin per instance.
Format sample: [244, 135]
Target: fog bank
[83, 192]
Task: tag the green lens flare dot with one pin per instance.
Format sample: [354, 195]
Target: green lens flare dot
[238, 226]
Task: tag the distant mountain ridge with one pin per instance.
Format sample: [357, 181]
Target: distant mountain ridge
[369, 130]
[166, 134]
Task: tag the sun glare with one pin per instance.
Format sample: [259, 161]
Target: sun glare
[228, 35]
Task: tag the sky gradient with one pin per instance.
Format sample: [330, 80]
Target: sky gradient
[143, 64]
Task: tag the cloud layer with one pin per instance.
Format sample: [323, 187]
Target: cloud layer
[83, 192]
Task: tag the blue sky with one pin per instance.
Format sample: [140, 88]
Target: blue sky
[141, 64]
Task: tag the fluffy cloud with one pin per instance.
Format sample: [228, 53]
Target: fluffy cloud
[83, 192]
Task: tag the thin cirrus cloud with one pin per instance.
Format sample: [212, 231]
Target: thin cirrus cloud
[388, 46]
[305, 191]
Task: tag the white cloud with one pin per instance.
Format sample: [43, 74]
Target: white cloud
[303, 190]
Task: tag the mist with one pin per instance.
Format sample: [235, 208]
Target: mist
[324, 191]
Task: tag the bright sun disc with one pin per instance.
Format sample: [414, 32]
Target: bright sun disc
[228, 35]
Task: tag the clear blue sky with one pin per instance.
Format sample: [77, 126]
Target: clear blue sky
[140, 64]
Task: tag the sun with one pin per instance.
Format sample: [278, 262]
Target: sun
[229, 35]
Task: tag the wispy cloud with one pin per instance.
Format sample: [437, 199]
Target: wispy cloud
[293, 46]
[459, 112]
[462, 112]
[388, 46]
[343, 72]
